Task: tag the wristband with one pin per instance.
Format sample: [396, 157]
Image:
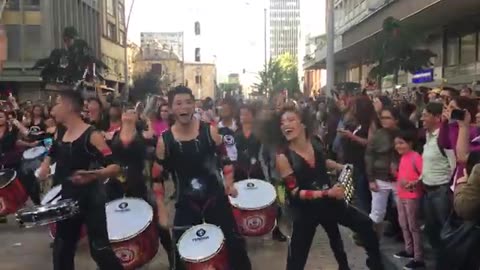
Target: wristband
[309, 194]
[227, 171]
[290, 182]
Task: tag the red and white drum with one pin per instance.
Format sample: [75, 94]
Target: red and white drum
[12, 194]
[202, 248]
[52, 197]
[132, 231]
[254, 208]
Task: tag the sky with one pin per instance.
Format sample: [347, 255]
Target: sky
[232, 32]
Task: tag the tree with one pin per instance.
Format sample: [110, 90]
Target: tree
[145, 84]
[278, 75]
[393, 51]
[288, 65]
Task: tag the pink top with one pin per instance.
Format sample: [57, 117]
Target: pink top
[409, 170]
[159, 127]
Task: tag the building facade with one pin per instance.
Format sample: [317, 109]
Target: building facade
[450, 30]
[133, 51]
[201, 78]
[172, 41]
[284, 27]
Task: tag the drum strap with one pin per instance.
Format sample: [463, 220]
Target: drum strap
[54, 198]
[201, 210]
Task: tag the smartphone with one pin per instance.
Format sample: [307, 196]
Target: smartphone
[457, 114]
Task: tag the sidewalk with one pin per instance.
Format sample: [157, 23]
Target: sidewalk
[389, 246]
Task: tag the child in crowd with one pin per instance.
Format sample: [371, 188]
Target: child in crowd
[409, 194]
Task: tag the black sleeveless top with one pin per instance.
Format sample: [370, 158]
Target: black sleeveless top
[310, 178]
[131, 158]
[248, 161]
[73, 156]
[193, 164]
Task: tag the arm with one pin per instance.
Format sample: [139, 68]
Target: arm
[444, 136]
[158, 187]
[23, 130]
[106, 157]
[286, 172]
[466, 197]
[333, 165]
[227, 165]
[369, 159]
[463, 141]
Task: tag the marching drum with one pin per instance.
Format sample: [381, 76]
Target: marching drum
[12, 194]
[254, 208]
[132, 231]
[52, 197]
[32, 158]
[202, 247]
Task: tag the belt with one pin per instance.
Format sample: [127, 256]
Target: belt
[433, 188]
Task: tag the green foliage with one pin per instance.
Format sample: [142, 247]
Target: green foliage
[393, 51]
[143, 85]
[279, 74]
[229, 88]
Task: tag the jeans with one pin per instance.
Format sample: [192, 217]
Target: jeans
[217, 213]
[437, 206]
[363, 199]
[329, 216]
[408, 210]
[380, 200]
[92, 213]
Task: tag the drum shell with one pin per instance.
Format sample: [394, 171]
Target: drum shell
[12, 197]
[139, 250]
[217, 261]
[29, 165]
[255, 222]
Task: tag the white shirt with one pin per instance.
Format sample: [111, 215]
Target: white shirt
[437, 169]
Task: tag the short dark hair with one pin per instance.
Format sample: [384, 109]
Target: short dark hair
[75, 98]
[179, 90]
[469, 104]
[97, 100]
[409, 136]
[434, 108]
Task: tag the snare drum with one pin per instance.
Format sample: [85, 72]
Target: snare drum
[53, 197]
[132, 231]
[32, 159]
[254, 208]
[203, 247]
[12, 194]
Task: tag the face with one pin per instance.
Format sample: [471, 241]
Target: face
[291, 126]
[183, 107]
[377, 104]
[114, 113]
[429, 120]
[246, 116]
[401, 146]
[63, 108]
[465, 93]
[446, 97]
[226, 111]
[164, 112]
[37, 111]
[93, 108]
[50, 122]
[387, 120]
[477, 119]
[3, 119]
[129, 116]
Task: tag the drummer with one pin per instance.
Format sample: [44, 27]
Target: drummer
[129, 147]
[248, 161]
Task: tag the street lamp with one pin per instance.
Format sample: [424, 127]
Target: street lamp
[125, 38]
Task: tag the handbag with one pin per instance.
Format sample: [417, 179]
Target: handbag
[461, 241]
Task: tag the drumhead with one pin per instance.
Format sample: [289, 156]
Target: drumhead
[127, 218]
[6, 177]
[200, 242]
[253, 194]
[52, 170]
[47, 199]
[34, 152]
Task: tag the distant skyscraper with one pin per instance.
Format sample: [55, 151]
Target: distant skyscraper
[284, 27]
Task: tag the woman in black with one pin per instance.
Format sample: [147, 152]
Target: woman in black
[303, 166]
[129, 147]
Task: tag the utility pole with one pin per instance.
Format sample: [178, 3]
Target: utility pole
[330, 47]
[265, 35]
[126, 89]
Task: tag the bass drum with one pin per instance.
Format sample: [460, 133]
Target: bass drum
[12, 194]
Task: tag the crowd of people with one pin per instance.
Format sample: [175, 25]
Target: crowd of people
[414, 166]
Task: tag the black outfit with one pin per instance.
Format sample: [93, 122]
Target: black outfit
[132, 159]
[248, 158]
[327, 212]
[200, 193]
[36, 132]
[70, 157]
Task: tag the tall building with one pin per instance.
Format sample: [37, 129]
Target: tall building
[201, 78]
[172, 41]
[284, 27]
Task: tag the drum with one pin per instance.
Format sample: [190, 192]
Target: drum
[202, 247]
[53, 209]
[32, 159]
[46, 184]
[53, 196]
[254, 208]
[12, 194]
[132, 231]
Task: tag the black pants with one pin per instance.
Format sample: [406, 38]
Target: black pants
[31, 185]
[92, 213]
[218, 213]
[329, 214]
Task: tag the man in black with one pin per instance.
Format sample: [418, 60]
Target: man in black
[74, 150]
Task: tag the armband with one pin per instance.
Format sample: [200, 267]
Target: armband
[106, 152]
[309, 194]
[159, 192]
[227, 171]
[290, 182]
[222, 153]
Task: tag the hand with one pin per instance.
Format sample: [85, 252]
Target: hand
[43, 172]
[345, 133]
[231, 191]
[464, 178]
[411, 186]
[373, 186]
[84, 177]
[108, 135]
[337, 192]
[33, 144]
[163, 219]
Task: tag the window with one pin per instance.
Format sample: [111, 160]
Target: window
[32, 37]
[121, 13]
[13, 33]
[198, 79]
[468, 48]
[452, 51]
[121, 38]
[111, 33]
[156, 68]
[111, 7]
